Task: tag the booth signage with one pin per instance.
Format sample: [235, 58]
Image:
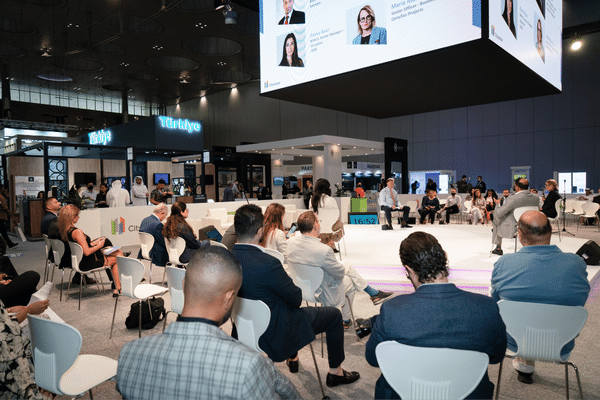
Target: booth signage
[102, 136]
[180, 124]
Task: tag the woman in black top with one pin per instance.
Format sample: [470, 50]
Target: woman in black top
[431, 205]
[100, 201]
[549, 206]
[176, 226]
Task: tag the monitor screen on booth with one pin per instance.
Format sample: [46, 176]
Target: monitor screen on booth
[320, 39]
[278, 181]
[165, 177]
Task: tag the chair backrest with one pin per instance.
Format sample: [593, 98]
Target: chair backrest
[307, 278]
[218, 213]
[274, 253]
[328, 217]
[175, 277]
[131, 272]
[58, 249]
[175, 248]
[76, 255]
[590, 209]
[467, 205]
[55, 347]
[576, 205]
[47, 245]
[412, 204]
[541, 330]
[558, 208]
[432, 373]
[146, 243]
[522, 210]
[217, 244]
[251, 318]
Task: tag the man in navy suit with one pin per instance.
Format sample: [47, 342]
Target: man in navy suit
[51, 207]
[152, 224]
[291, 327]
[291, 16]
[437, 314]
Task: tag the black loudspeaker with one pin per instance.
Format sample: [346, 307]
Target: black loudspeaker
[590, 252]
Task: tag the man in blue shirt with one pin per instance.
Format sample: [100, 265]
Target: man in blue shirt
[388, 201]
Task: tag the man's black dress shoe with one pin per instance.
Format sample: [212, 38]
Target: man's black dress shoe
[497, 252]
[292, 365]
[347, 377]
[525, 378]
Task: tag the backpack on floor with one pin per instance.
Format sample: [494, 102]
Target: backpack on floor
[157, 305]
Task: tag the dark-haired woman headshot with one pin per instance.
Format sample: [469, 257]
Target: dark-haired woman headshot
[509, 16]
[176, 226]
[290, 52]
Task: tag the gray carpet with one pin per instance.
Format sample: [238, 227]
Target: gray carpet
[94, 319]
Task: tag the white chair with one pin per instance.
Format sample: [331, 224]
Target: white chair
[146, 244]
[290, 215]
[76, 256]
[175, 277]
[413, 205]
[217, 244]
[327, 218]
[395, 213]
[576, 207]
[175, 248]
[517, 214]
[251, 318]
[131, 272]
[558, 208]
[58, 250]
[466, 210]
[220, 213]
[275, 254]
[541, 331]
[49, 264]
[59, 368]
[432, 373]
[589, 211]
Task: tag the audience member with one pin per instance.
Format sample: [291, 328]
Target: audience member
[505, 194]
[549, 206]
[490, 203]
[431, 185]
[228, 194]
[117, 196]
[215, 365]
[290, 327]
[88, 192]
[505, 225]
[339, 279]
[274, 236]
[452, 206]
[176, 226]
[261, 192]
[322, 200]
[93, 257]
[430, 206]
[388, 201]
[160, 194]
[462, 186]
[480, 184]
[539, 273]
[15, 289]
[236, 189]
[101, 197]
[589, 196]
[5, 216]
[51, 207]
[41, 194]
[139, 192]
[307, 192]
[477, 211]
[360, 192]
[153, 225]
[437, 314]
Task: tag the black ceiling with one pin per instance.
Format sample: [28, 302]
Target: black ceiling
[162, 52]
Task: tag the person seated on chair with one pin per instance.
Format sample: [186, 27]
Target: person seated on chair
[153, 225]
[93, 257]
[340, 278]
[430, 206]
[388, 200]
[51, 207]
[452, 206]
[274, 236]
[409, 319]
[291, 327]
[549, 205]
[504, 224]
[216, 365]
[15, 289]
[539, 273]
[176, 226]
[322, 200]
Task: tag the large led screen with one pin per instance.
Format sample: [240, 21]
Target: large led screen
[531, 31]
[305, 40]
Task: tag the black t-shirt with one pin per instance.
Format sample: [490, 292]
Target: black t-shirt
[365, 39]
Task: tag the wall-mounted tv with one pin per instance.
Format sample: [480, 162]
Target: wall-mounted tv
[278, 181]
[83, 178]
[165, 177]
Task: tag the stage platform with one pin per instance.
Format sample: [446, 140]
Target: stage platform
[374, 253]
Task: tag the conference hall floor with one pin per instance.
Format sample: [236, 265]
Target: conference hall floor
[374, 253]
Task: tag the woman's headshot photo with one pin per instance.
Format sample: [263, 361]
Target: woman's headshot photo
[539, 41]
[509, 15]
[290, 52]
[368, 31]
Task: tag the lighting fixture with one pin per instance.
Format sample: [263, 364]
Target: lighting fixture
[576, 43]
[220, 4]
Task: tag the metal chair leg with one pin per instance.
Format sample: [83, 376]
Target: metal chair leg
[140, 324]
[353, 319]
[91, 395]
[113, 318]
[317, 369]
[62, 279]
[80, 289]
[68, 286]
[499, 378]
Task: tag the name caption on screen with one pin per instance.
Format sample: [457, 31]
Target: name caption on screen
[317, 37]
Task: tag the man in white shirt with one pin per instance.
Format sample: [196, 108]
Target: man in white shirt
[388, 200]
[453, 204]
[89, 192]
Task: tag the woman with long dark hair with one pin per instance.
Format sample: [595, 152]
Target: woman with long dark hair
[322, 200]
[477, 208]
[176, 226]
[273, 230]
[490, 203]
[290, 52]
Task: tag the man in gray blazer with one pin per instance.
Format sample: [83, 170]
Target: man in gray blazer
[505, 225]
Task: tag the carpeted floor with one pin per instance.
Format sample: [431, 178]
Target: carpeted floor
[374, 253]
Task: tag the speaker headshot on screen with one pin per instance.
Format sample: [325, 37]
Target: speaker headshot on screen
[368, 33]
[539, 45]
[290, 53]
[291, 16]
[509, 16]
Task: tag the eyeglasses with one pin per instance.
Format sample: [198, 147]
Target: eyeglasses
[368, 18]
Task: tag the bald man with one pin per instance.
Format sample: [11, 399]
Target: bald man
[504, 221]
[193, 358]
[539, 273]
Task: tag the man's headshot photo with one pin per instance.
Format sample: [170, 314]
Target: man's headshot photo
[290, 14]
